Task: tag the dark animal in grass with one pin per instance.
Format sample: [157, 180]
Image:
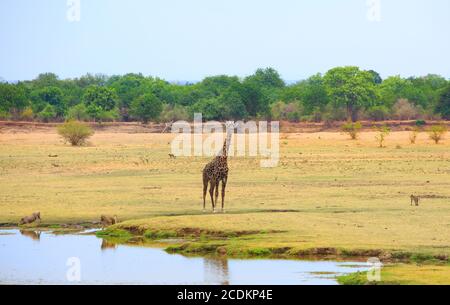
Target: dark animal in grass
[30, 219]
[172, 156]
[108, 221]
[415, 199]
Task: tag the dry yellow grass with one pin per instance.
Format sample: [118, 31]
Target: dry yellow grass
[327, 190]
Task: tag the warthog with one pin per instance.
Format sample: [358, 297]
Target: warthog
[30, 219]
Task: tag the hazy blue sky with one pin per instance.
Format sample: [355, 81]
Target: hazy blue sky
[191, 39]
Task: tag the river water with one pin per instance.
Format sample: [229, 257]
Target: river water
[29, 257]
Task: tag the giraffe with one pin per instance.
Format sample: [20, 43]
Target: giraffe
[216, 171]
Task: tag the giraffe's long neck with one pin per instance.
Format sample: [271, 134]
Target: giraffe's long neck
[226, 143]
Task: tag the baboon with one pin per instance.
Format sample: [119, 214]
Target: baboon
[415, 199]
[108, 221]
[172, 156]
[30, 219]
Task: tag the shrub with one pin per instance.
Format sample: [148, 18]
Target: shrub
[378, 113]
[75, 132]
[47, 114]
[109, 116]
[27, 114]
[146, 107]
[174, 113]
[352, 129]
[443, 105]
[413, 134]
[404, 110]
[78, 112]
[332, 113]
[383, 132]
[421, 123]
[4, 114]
[437, 132]
[289, 112]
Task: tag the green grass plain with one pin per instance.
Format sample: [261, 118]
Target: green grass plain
[327, 192]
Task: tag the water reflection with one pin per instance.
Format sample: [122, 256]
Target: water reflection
[25, 261]
[216, 271]
[34, 235]
[107, 245]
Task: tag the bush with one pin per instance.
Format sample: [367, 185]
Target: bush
[4, 115]
[174, 113]
[437, 132]
[331, 113]
[75, 132]
[413, 134]
[146, 107]
[383, 132]
[421, 123]
[352, 129]
[109, 116]
[47, 114]
[404, 110]
[27, 114]
[378, 113]
[288, 112]
[443, 105]
[78, 112]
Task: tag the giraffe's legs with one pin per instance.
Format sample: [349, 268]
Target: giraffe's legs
[217, 192]
[224, 185]
[205, 188]
[211, 193]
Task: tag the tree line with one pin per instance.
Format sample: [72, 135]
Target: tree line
[342, 93]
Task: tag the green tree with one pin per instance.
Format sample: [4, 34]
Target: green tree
[102, 97]
[255, 99]
[216, 85]
[78, 113]
[210, 108]
[46, 80]
[351, 87]
[267, 78]
[128, 88]
[146, 107]
[47, 114]
[261, 89]
[49, 95]
[233, 104]
[443, 106]
[12, 99]
[376, 77]
[311, 92]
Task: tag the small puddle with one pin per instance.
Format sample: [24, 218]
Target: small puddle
[28, 257]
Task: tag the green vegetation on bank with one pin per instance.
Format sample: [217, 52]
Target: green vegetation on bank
[342, 93]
